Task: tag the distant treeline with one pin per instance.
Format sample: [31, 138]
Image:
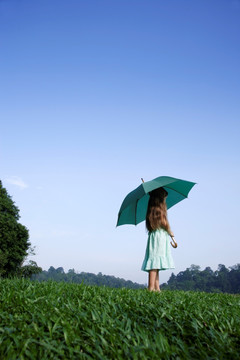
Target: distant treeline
[86, 278]
[224, 279]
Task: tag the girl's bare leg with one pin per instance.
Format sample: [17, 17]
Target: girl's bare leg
[152, 274]
[157, 287]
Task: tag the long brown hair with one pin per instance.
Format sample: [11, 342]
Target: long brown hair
[157, 211]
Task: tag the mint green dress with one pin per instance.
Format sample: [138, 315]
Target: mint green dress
[158, 251]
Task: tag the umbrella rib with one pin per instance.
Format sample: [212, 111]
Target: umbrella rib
[175, 191]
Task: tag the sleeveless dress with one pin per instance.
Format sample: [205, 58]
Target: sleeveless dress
[158, 251]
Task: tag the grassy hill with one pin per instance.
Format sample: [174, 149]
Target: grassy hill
[51, 320]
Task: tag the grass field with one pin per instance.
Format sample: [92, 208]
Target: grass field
[68, 321]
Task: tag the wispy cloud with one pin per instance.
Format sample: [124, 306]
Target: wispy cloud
[17, 181]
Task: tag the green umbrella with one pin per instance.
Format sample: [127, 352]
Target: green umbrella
[134, 207]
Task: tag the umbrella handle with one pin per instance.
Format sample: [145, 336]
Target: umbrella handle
[174, 244]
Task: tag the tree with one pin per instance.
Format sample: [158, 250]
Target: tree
[14, 237]
[234, 278]
[60, 270]
[3, 261]
[86, 278]
[29, 267]
[221, 280]
[195, 268]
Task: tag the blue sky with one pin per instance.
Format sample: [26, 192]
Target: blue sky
[97, 94]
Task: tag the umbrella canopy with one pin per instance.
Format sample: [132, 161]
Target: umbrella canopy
[134, 207]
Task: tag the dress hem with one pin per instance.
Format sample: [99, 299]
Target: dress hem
[147, 270]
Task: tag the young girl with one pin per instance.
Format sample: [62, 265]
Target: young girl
[158, 252]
